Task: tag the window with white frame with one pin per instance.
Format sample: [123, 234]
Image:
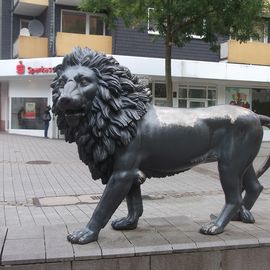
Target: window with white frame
[262, 30]
[24, 23]
[191, 96]
[82, 23]
[152, 26]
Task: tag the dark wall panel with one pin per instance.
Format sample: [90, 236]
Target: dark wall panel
[135, 43]
[6, 29]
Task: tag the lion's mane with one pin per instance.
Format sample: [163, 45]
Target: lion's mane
[111, 119]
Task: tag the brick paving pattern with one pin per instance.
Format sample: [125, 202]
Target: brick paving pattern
[37, 170]
[48, 192]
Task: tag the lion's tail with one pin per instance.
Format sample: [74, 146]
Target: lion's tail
[265, 121]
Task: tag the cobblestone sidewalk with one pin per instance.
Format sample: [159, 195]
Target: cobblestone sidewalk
[43, 182]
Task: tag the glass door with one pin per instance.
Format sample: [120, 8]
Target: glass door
[197, 104]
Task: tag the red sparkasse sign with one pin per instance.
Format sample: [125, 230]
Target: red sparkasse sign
[21, 68]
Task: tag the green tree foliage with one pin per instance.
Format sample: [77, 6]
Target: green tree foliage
[178, 20]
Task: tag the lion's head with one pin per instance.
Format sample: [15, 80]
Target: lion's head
[98, 103]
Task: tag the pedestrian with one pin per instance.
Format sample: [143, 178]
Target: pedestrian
[47, 118]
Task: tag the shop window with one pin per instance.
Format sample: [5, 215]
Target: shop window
[197, 104]
[190, 96]
[26, 113]
[82, 23]
[197, 93]
[238, 96]
[261, 101]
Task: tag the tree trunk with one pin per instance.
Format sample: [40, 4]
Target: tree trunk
[168, 67]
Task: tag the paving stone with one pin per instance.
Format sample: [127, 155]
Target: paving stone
[114, 244]
[62, 200]
[191, 230]
[2, 216]
[25, 232]
[21, 251]
[3, 233]
[206, 242]
[263, 236]
[147, 240]
[236, 238]
[90, 251]
[57, 246]
[178, 239]
[25, 216]
[184, 223]
[192, 194]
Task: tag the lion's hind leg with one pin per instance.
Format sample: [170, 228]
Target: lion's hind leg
[252, 189]
[135, 210]
[231, 184]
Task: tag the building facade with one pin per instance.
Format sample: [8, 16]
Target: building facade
[36, 34]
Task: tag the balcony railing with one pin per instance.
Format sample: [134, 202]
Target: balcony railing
[68, 2]
[30, 7]
[256, 53]
[30, 47]
[65, 42]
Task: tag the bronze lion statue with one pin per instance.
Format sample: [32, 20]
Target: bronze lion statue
[124, 139]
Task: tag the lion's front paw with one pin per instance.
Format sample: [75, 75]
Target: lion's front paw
[82, 236]
[211, 228]
[124, 223]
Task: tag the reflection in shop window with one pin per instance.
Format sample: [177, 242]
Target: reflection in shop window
[160, 96]
[160, 90]
[238, 96]
[26, 113]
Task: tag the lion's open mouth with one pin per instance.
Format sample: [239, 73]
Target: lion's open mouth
[73, 117]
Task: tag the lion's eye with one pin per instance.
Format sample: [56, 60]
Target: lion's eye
[62, 83]
[84, 82]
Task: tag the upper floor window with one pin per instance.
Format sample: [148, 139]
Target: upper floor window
[262, 30]
[82, 23]
[151, 27]
[24, 23]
